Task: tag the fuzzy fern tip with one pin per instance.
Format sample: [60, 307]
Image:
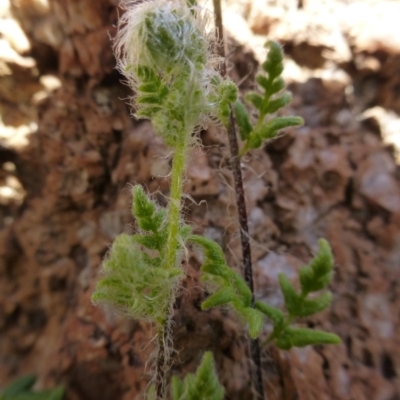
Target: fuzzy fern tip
[201, 385]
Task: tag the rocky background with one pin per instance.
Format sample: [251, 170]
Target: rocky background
[69, 150]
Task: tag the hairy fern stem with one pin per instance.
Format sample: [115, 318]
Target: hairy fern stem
[174, 207]
[174, 218]
[162, 360]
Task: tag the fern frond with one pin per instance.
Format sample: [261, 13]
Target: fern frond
[201, 385]
[269, 99]
[21, 389]
[134, 278]
[230, 288]
[313, 277]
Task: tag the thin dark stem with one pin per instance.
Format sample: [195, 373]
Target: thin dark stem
[246, 250]
[241, 205]
[161, 362]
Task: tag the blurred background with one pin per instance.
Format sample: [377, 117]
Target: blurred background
[69, 148]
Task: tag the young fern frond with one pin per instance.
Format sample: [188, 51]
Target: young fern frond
[314, 277]
[227, 285]
[268, 100]
[21, 389]
[201, 385]
[229, 288]
[169, 69]
[135, 279]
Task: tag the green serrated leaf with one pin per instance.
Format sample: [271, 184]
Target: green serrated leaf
[223, 296]
[275, 104]
[148, 217]
[243, 120]
[22, 384]
[271, 312]
[135, 287]
[263, 81]
[122, 245]
[242, 287]
[151, 261]
[176, 388]
[313, 306]
[254, 141]
[318, 274]
[306, 277]
[292, 299]
[148, 87]
[27, 394]
[277, 85]
[212, 249]
[53, 394]
[147, 112]
[57, 393]
[223, 113]
[269, 130]
[151, 393]
[282, 342]
[274, 63]
[213, 282]
[206, 383]
[212, 268]
[163, 92]
[255, 99]
[142, 206]
[255, 321]
[152, 99]
[185, 231]
[159, 218]
[145, 73]
[201, 385]
[228, 91]
[310, 283]
[322, 263]
[165, 274]
[153, 242]
[301, 337]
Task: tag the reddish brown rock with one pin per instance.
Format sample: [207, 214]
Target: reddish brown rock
[332, 178]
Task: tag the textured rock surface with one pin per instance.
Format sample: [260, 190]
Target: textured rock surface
[65, 195]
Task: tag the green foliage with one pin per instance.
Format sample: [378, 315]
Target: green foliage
[201, 385]
[227, 285]
[151, 92]
[229, 288]
[268, 100]
[166, 102]
[172, 39]
[243, 120]
[135, 279]
[301, 337]
[318, 273]
[223, 95]
[163, 50]
[313, 277]
[21, 389]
